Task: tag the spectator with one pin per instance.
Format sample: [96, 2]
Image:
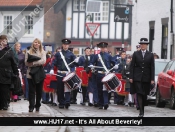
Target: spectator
[7, 68]
[156, 56]
[35, 87]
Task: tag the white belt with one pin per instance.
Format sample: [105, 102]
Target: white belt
[102, 72]
[63, 72]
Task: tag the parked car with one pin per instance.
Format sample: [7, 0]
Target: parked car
[159, 66]
[165, 91]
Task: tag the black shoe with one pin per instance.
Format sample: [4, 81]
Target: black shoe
[4, 108]
[95, 104]
[8, 105]
[90, 104]
[50, 102]
[82, 103]
[44, 102]
[15, 100]
[138, 108]
[37, 108]
[31, 109]
[67, 105]
[73, 102]
[19, 99]
[106, 106]
[141, 115]
[101, 107]
[54, 104]
[109, 102]
[61, 106]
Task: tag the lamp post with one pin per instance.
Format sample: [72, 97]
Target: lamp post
[91, 19]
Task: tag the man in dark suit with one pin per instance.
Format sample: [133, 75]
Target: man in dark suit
[142, 73]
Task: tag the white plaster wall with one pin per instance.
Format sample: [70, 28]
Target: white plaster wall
[150, 10]
[75, 25]
[68, 23]
[81, 25]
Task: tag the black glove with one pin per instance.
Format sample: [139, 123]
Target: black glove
[88, 70]
[152, 86]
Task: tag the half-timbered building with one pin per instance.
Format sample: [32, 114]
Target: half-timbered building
[76, 17]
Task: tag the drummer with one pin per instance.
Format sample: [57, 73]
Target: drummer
[107, 60]
[84, 61]
[62, 91]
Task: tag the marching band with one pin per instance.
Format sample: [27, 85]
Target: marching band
[94, 76]
[90, 69]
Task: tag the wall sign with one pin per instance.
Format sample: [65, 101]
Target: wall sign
[121, 14]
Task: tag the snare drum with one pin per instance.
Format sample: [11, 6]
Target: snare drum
[111, 82]
[72, 81]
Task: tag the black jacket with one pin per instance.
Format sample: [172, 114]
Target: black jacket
[142, 69]
[8, 67]
[37, 73]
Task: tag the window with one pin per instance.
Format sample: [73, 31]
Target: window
[28, 25]
[76, 5]
[112, 5]
[82, 5]
[7, 24]
[172, 67]
[168, 66]
[103, 16]
[164, 41]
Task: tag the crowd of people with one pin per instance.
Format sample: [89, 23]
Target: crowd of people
[28, 72]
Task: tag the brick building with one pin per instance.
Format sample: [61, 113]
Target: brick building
[53, 25]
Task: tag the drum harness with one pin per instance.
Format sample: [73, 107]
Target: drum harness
[62, 56]
[108, 71]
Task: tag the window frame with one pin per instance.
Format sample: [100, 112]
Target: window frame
[76, 6]
[28, 25]
[167, 67]
[82, 4]
[6, 15]
[112, 6]
[96, 15]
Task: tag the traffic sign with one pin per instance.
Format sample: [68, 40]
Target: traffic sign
[92, 27]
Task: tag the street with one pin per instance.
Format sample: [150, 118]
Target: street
[20, 109]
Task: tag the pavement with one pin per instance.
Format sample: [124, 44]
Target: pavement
[20, 109]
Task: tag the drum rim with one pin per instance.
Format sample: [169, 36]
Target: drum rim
[106, 75]
[68, 78]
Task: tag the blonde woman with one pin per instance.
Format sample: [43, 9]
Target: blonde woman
[36, 49]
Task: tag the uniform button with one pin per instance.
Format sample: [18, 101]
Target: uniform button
[142, 67]
[142, 63]
[142, 71]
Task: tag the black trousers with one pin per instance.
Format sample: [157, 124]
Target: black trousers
[84, 91]
[4, 95]
[74, 95]
[35, 88]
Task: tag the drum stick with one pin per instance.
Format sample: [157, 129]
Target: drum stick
[56, 75]
[113, 68]
[71, 62]
[95, 67]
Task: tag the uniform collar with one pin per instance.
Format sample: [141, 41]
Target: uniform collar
[143, 51]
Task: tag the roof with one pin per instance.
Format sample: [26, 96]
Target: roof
[19, 2]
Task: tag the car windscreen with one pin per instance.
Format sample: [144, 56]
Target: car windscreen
[159, 66]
